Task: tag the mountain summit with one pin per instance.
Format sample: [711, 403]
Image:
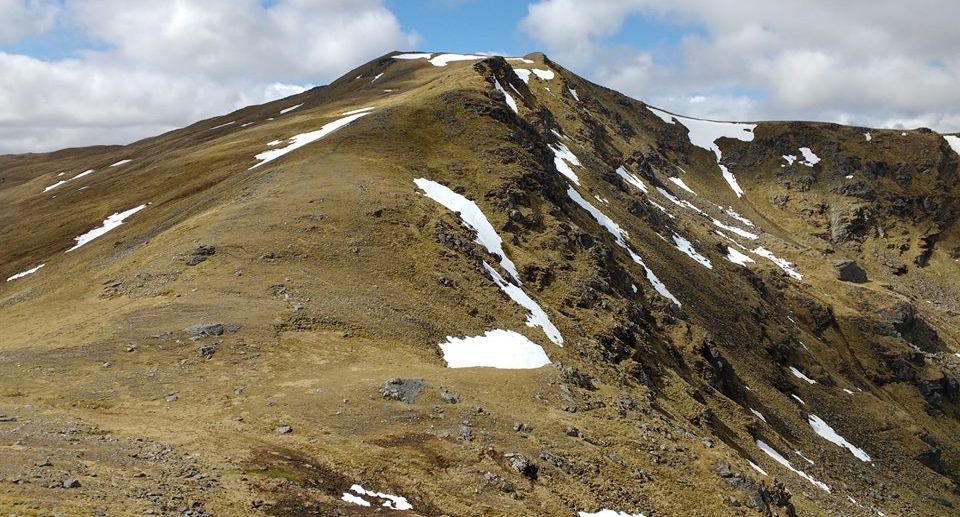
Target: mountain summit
[454, 284]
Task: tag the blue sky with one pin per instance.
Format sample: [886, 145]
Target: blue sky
[79, 72]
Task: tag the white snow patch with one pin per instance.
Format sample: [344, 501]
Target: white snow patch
[523, 74]
[687, 248]
[359, 110]
[756, 467]
[789, 158]
[868, 136]
[121, 162]
[546, 75]
[739, 231]
[737, 258]
[110, 223]
[679, 182]
[808, 460]
[472, 217]
[758, 414]
[809, 158]
[443, 59]
[562, 156]
[798, 374]
[705, 133]
[733, 213]
[497, 348]
[827, 433]
[413, 55]
[25, 273]
[393, 502]
[621, 236]
[574, 93]
[537, 317]
[509, 98]
[770, 451]
[954, 141]
[849, 176]
[786, 266]
[848, 392]
[521, 59]
[798, 399]
[378, 76]
[291, 108]
[245, 124]
[223, 125]
[303, 139]
[61, 182]
[274, 142]
[631, 179]
[608, 513]
[681, 203]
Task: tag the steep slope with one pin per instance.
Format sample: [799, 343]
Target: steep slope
[482, 286]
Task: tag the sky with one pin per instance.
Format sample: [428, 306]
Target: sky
[84, 72]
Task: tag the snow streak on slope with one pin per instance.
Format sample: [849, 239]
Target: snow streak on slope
[25, 273]
[608, 513]
[473, 218]
[954, 142]
[497, 348]
[705, 133]
[537, 316]
[443, 59]
[737, 258]
[413, 55]
[687, 248]
[111, 222]
[827, 433]
[61, 182]
[770, 451]
[303, 139]
[734, 229]
[679, 182]
[631, 179]
[121, 162]
[620, 235]
[562, 159]
[787, 267]
[798, 374]
[291, 108]
[393, 502]
[510, 102]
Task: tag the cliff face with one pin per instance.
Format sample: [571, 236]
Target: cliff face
[482, 286]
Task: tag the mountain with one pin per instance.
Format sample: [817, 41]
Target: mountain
[471, 285]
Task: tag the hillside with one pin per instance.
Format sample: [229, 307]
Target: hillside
[469, 285]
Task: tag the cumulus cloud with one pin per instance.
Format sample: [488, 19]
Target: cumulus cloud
[885, 64]
[148, 66]
[20, 18]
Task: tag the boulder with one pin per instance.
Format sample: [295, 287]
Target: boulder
[405, 390]
[850, 271]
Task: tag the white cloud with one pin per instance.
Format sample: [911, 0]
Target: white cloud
[161, 65]
[889, 64]
[21, 18]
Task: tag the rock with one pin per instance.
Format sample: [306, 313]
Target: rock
[71, 483]
[576, 377]
[521, 464]
[571, 431]
[405, 390]
[283, 429]
[207, 351]
[45, 463]
[465, 432]
[5, 418]
[850, 271]
[522, 427]
[200, 254]
[449, 397]
[554, 459]
[202, 330]
[171, 397]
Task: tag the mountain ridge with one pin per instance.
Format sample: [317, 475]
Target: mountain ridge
[337, 271]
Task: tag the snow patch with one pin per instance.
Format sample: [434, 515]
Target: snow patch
[631, 179]
[537, 316]
[574, 94]
[867, 136]
[687, 248]
[758, 414]
[359, 110]
[770, 451]
[413, 55]
[291, 108]
[121, 162]
[393, 502]
[798, 399]
[443, 59]
[827, 433]
[25, 273]
[61, 182]
[737, 258]
[809, 158]
[473, 218]
[561, 158]
[789, 158]
[378, 76]
[497, 348]
[733, 213]
[110, 223]
[679, 182]
[954, 141]
[523, 74]
[510, 102]
[681, 203]
[223, 125]
[303, 139]
[786, 266]
[608, 513]
[756, 467]
[546, 75]
[705, 133]
[798, 374]
[739, 231]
